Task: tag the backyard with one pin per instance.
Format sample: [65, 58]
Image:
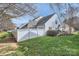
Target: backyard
[49, 46]
[39, 29]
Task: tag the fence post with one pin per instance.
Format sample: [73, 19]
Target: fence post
[37, 32]
[44, 30]
[29, 33]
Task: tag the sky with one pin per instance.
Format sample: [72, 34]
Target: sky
[42, 10]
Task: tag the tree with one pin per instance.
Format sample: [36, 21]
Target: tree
[13, 10]
[17, 9]
[71, 14]
[56, 7]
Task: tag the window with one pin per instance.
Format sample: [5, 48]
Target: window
[58, 25]
[56, 22]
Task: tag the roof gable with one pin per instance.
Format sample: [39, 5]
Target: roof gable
[38, 21]
[43, 20]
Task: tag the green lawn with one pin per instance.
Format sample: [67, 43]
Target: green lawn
[50, 46]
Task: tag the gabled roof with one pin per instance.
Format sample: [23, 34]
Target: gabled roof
[23, 26]
[43, 20]
[31, 23]
[26, 24]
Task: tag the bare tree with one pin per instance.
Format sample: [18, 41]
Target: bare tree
[17, 9]
[71, 13]
[13, 10]
[57, 9]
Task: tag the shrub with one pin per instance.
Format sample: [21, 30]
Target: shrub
[52, 32]
[4, 35]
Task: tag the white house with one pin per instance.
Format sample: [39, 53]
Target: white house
[50, 21]
[37, 27]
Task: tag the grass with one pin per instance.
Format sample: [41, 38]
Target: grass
[50, 46]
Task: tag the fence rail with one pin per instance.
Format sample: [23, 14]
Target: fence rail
[25, 34]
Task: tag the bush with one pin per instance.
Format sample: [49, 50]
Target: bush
[52, 32]
[4, 35]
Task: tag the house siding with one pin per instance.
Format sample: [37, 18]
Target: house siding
[51, 23]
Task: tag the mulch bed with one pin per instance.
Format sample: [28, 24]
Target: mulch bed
[9, 40]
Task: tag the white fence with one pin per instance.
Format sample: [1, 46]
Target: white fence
[25, 34]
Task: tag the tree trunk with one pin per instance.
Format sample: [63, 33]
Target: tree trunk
[70, 30]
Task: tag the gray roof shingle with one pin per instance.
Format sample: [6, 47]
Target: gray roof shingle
[43, 20]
